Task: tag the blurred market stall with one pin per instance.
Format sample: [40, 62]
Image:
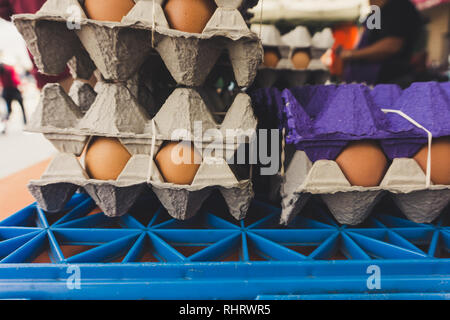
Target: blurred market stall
[301, 11]
[426, 4]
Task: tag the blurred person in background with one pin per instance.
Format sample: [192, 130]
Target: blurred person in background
[11, 7]
[384, 55]
[10, 82]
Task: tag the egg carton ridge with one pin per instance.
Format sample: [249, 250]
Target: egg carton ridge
[404, 180]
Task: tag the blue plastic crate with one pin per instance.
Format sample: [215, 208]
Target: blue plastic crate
[148, 255]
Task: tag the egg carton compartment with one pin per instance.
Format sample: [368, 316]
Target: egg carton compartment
[297, 39]
[118, 49]
[219, 92]
[64, 124]
[287, 45]
[65, 175]
[186, 106]
[52, 43]
[429, 104]
[404, 180]
[83, 95]
[226, 31]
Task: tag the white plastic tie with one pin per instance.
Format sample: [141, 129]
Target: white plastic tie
[283, 151]
[430, 140]
[153, 23]
[152, 152]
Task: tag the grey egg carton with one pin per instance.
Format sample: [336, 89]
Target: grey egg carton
[64, 123]
[115, 198]
[118, 49]
[404, 180]
[70, 126]
[287, 45]
[83, 95]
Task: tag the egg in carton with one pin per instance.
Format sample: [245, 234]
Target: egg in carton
[297, 41]
[429, 104]
[271, 40]
[313, 170]
[268, 75]
[65, 125]
[405, 180]
[118, 49]
[182, 201]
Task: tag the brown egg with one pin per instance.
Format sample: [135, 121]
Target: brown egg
[189, 15]
[363, 163]
[108, 10]
[301, 60]
[106, 158]
[271, 58]
[178, 162]
[440, 160]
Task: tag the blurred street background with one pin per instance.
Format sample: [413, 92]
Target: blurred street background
[18, 149]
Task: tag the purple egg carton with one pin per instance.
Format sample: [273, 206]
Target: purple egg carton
[322, 120]
[427, 103]
[385, 95]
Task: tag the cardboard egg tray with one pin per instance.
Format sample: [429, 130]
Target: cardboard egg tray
[83, 95]
[297, 39]
[118, 49]
[313, 145]
[114, 109]
[404, 180]
[64, 124]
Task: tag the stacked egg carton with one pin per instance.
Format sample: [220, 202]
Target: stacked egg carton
[321, 127]
[118, 50]
[321, 42]
[287, 45]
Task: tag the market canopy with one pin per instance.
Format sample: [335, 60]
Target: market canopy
[425, 4]
[309, 10]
